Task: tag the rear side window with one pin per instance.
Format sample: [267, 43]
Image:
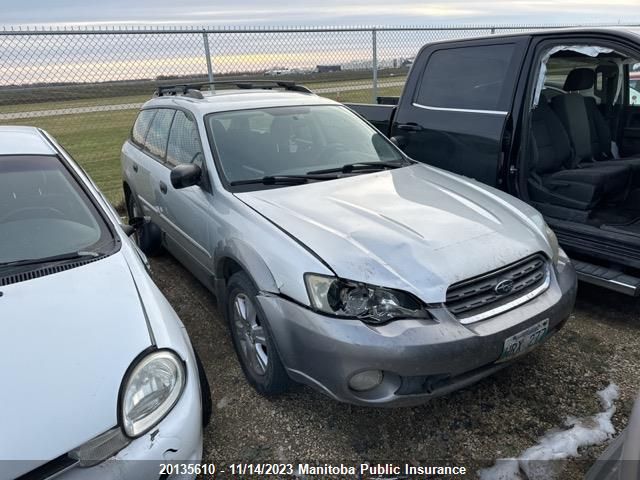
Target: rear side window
[141, 126]
[158, 135]
[184, 141]
[471, 78]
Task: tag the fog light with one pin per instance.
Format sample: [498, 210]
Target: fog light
[363, 381]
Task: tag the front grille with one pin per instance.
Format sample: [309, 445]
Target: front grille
[480, 297]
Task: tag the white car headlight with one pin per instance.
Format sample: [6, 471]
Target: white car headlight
[553, 242]
[369, 303]
[150, 390]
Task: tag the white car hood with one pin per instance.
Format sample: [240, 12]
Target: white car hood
[415, 228]
[66, 341]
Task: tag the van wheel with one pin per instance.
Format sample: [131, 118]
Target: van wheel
[148, 237]
[252, 338]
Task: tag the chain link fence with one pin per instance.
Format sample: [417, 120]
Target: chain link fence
[85, 85]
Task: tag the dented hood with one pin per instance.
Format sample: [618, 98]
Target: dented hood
[416, 228]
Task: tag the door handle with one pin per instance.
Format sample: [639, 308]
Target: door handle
[135, 167]
[163, 187]
[410, 127]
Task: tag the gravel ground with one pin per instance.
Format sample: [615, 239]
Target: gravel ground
[499, 417]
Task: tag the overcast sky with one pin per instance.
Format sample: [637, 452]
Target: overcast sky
[315, 12]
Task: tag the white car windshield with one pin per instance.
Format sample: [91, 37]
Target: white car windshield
[44, 213]
[294, 140]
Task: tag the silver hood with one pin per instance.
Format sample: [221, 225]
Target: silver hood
[66, 341]
[416, 228]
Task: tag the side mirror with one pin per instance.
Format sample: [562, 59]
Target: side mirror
[400, 141]
[135, 224]
[185, 175]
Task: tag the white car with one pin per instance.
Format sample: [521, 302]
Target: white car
[96, 366]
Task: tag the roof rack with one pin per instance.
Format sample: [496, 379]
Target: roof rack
[193, 89]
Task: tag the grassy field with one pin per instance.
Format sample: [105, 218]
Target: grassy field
[95, 139]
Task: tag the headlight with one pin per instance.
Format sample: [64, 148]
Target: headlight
[368, 303]
[150, 391]
[553, 242]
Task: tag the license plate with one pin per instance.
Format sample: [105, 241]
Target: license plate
[524, 341]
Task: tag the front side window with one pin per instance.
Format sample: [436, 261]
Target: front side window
[294, 141]
[184, 142]
[45, 213]
[466, 78]
[156, 140]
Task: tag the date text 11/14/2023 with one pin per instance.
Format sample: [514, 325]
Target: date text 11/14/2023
[266, 469]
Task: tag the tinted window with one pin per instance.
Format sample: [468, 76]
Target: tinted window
[470, 77]
[141, 126]
[156, 141]
[44, 212]
[184, 141]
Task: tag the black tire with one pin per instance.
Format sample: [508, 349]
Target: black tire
[205, 389]
[268, 377]
[149, 236]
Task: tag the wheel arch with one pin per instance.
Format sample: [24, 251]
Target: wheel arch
[238, 255]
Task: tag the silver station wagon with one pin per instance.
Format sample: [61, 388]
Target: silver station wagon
[338, 261]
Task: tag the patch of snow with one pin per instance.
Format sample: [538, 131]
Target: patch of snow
[534, 463]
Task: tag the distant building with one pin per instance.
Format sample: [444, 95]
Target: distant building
[328, 68]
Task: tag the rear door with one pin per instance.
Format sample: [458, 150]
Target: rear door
[630, 142]
[155, 148]
[457, 105]
[135, 163]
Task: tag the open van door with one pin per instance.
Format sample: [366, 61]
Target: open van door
[458, 117]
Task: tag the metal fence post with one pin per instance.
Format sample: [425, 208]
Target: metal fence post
[207, 54]
[374, 65]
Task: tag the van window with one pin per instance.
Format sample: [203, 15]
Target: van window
[184, 141]
[470, 78]
[157, 137]
[140, 128]
[634, 84]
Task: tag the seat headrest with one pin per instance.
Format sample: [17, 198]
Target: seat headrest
[579, 79]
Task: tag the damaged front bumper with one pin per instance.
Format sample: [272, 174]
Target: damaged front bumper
[419, 359]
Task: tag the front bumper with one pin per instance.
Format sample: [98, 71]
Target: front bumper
[420, 359]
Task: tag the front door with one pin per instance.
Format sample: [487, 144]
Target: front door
[185, 211]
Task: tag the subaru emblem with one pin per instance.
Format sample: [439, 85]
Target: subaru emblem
[504, 287]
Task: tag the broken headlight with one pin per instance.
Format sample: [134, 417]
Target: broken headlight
[369, 303]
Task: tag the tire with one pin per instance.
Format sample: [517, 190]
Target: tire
[148, 237]
[252, 338]
[205, 389]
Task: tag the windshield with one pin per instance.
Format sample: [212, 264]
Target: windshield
[44, 212]
[294, 141]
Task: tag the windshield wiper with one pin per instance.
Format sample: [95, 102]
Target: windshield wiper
[53, 258]
[352, 167]
[280, 179]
